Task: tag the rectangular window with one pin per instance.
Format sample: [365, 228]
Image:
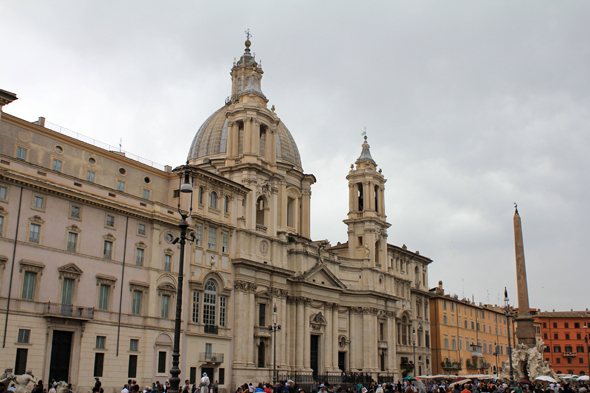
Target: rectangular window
[555, 325]
[20, 364]
[175, 193]
[110, 221]
[136, 306]
[222, 310]
[196, 299]
[134, 345]
[121, 185]
[222, 376]
[98, 364]
[3, 193]
[21, 153]
[557, 349]
[56, 165]
[107, 249]
[199, 236]
[103, 297]
[90, 176]
[558, 360]
[38, 202]
[192, 375]
[445, 320]
[580, 349]
[454, 342]
[24, 335]
[452, 306]
[167, 262]
[567, 336]
[566, 325]
[212, 242]
[29, 285]
[100, 342]
[577, 325]
[460, 343]
[165, 305]
[132, 369]
[146, 193]
[444, 304]
[67, 291]
[34, 233]
[139, 256]
[556, 336]
[162, 362]
[72, 241]
[208, 350]
[262, 314]
[224, 237]
[141, 229]
[446, 343]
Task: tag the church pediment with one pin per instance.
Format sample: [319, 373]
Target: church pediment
[321, 275]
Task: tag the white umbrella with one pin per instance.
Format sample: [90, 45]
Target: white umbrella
[546, 378]
[583, 378]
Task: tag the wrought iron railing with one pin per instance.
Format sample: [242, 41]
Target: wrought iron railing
[68, 310]
[211, 357]
[211, 329]
[305, 380]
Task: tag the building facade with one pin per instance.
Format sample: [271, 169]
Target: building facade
[90, 257]
[467, 338]
[565, 334]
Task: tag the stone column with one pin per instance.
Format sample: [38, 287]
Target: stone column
[230, 139]
[368, 339]
[305, 212]
[306, 336]
[255, 137]
[367, 195]
[351, 197]
[248, 126]
[300, 344]
[382, 199]
[328, 342]
[391, 343]
[271, 145]
[335, 347]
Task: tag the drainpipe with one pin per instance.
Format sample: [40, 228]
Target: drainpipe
[20, 200]
[122, 277]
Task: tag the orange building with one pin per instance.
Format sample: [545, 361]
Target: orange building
[467, 338]
[565, 334]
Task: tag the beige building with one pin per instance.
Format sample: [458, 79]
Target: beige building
[467, 338]
[89, 286]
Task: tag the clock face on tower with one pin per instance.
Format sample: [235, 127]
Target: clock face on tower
[263, 247]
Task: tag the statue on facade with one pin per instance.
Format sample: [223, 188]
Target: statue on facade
[204, 385]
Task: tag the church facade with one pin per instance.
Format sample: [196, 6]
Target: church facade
[89, 255]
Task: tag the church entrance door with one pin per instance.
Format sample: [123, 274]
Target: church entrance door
[314, 354]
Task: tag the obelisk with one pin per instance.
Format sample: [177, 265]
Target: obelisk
[525, 329]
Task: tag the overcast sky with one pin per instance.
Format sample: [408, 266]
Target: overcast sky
[469, 107]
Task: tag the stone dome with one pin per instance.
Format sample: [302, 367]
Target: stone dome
[211, 140]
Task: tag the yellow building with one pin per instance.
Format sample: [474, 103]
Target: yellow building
[467, 338]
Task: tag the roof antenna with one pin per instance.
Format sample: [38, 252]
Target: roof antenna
[120, 145]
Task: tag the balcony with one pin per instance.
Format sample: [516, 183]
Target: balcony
[476, 351]
[208, 357]
[451, 365]
[211, 329]
[260, 331]
[407, 366]
[261, 228]
[569, 354]
[382, 344]
[68, 311]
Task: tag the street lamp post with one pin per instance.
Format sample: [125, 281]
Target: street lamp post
[587, 347]
[186, 188]
[414, 346]
[507, 311]
[274, 328]
[496, 355]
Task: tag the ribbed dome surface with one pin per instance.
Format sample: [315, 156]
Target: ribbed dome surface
[211, 140]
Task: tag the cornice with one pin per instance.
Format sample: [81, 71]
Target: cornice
[83, 145]
[261, 266]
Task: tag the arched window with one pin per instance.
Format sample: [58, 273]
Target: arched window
[213, 203]
[226, 204]
[209, 303]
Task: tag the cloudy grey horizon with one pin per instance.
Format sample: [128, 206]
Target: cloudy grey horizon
[468, 107]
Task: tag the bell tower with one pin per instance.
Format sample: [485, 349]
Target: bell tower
[367, 225]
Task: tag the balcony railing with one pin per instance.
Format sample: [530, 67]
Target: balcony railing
[451, 365]
[211, 357]
[476, 350]
[68, 311]
[569, 354]
[211, 329]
